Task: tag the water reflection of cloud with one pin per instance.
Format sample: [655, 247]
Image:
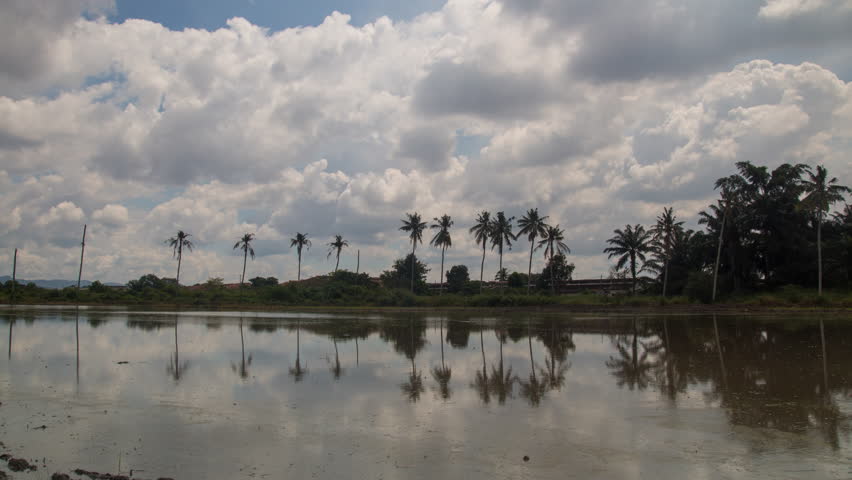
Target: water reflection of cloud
[590, 422]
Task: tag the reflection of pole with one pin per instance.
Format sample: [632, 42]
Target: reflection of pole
[482, 347]
[824, 360]
[11, 323]
[82, 251]
[77, 336]
[14, 269]
[719, 250]
[357, 361]
[721, 358]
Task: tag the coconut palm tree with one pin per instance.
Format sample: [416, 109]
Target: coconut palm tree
[664, 231]
[501, 235]
[442, 240]
[532, 225]
[553, 242]
[300, 241]
[244, 244]
[630, 244]
[178, 243]
[414, 227]
[481, 231]
[821, 193]
[335, 247]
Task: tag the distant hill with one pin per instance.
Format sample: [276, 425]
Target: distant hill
[55, 283]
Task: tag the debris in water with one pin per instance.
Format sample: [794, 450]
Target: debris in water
[123, 362]
[19, 465]
[526, 458]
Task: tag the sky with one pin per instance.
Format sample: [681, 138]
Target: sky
[221, 117]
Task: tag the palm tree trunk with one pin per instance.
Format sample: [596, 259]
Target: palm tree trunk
[441, 283]
[819, 251]
[633, 272]
[665, 275]
[180, 254]
[500, 269]
[336, 265]
[719, 252]
[529, 269]
[245, 259]
[552, 277]
[482, 267]
[299, 273]
[413, 248]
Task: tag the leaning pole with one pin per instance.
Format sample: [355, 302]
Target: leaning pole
[14, 269]
[82, 252]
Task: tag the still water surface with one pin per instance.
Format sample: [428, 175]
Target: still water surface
[255, 395]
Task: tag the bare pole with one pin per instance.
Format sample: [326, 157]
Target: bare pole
[358, 263]
[82, 252]
[719, 249]
[14, 269]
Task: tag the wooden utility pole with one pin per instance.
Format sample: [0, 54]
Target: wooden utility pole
[719, 248]
[14, 269]
[82, 252]
[358, 263]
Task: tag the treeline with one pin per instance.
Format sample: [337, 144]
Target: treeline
[767, 229]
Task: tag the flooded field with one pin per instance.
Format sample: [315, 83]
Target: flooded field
[256, 395]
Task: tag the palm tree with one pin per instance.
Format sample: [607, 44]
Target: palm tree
[414, 227]
[631, 244]
[335, 247]
[821, 193]
[532, 225]
[553, 242]
[299, 241]
[442, 240]
[481, 231]
[664, 231]
[178, 242]
[501, 235]
[244, 244]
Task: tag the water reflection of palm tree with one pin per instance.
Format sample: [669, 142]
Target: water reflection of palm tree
[630, 368]
[242, 368]
[175, 369]
[414, 386]
[336, 369]
[480, 381]
[443, 373]
[533, 389]
[298, 372]
[502, 381]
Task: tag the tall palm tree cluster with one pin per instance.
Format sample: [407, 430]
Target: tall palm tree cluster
[496, 230]
[765, 229]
